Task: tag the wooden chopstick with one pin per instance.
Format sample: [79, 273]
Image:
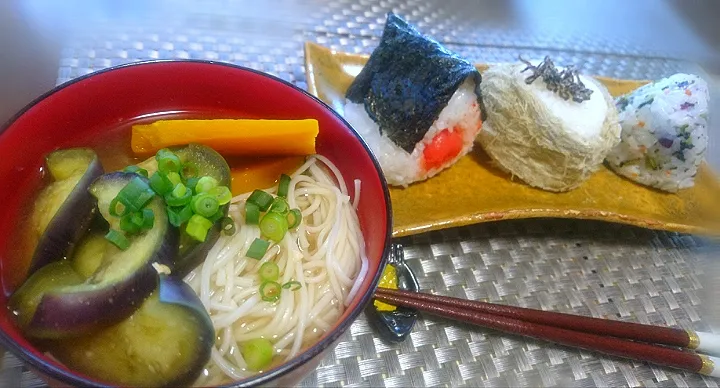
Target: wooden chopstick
[468, 311]
[703, 342]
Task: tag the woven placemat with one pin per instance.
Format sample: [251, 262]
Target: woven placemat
[589, 268]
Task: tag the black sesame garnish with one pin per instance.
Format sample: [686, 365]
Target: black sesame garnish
[565, 83]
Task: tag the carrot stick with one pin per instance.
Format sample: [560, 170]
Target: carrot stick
[230, 137]
[261, 173]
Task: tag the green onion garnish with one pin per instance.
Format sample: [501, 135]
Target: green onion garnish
[127, 225]
[180, 196]
[191, 183]
[189, 170]
[217, 216]
[167, 161]
[118, 239]
[136, 194]
[197, 227]
[180, 216]
[136, 170]
[205, 204]
[280, 205]
[222, 193]
[174, 178]
[257, 353]
[252, 213]
[117, 209]
[262, 199]
[206, 184]
[270, 291]
[294, 217]
[274, 226]
[269, 271]
[257, 249]
[292, 285]
[160, 182]
[228, 226]
[283, 186]
[148, 219]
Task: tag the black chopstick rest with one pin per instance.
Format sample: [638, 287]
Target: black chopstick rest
[394, 326]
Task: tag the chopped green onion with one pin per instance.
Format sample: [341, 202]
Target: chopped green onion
[197, 227]
[257, 249]
[274, 226]
[191, 183]
[180, 190]
[269, 271]
[127, 225]
[178, 217]
[174, 178]
[136, 194]
[167, 161]
[136, 170]
[270, 291]
[228, 226]
[257, 353]
[292, 285]
[188, 171]
[262, 199]
[137, 219]
[205, 204]
[217, 216]
[180, 196]
[118, 239]
[137, 222]
[148, 219]
[206, 184]
[280, 205]
[117, 209]
[222, 193]
[283, 186]
[161, 183]
[294, 217]
[252, 213]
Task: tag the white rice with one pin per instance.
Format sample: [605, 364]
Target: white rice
[402, 168]
[664, 132]
[584, 120]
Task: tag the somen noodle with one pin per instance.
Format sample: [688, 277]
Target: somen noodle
[325, 254]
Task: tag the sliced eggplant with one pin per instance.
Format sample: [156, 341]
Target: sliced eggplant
[64, 209]
[208, 163]
[53, 276]
[88, 254]
[166, 342]
[121, 282]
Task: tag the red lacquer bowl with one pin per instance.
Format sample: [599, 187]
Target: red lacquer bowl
[92, 105]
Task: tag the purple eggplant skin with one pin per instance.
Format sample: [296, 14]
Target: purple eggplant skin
[122, 282]
[174, 291]
[166, 342]
[193, 253]
[72, 218]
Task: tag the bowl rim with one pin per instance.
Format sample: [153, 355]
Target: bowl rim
[283, 369]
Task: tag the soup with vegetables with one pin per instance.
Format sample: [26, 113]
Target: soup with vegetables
[171, 256]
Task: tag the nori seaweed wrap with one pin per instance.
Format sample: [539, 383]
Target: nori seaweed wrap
[406, 84]
[407, 81]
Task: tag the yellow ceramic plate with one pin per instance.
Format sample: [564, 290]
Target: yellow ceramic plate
[473, 191]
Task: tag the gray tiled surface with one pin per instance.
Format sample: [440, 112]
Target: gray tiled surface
[587, 268]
